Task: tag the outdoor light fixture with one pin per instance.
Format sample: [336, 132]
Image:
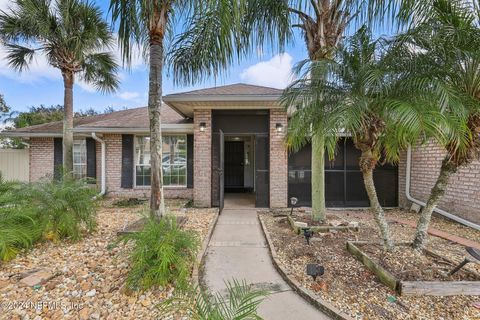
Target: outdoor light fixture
[314, 270]
[308, 234]
[203, 126]
[279, 127]
[293, 202]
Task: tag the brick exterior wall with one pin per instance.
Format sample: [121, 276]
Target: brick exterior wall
[202, 154]
[41, 165]
[41, 158]
[462, 193]
[278, 161]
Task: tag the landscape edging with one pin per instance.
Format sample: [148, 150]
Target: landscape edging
[323, 305]
[197, 270]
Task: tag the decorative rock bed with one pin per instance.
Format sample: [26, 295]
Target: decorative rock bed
[88, 275]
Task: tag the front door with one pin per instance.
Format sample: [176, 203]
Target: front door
[234, 169]
[221, 167]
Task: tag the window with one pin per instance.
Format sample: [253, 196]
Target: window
[79, 159]
[174, 160]
[142, 161]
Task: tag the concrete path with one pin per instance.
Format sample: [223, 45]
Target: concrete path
[238, 250]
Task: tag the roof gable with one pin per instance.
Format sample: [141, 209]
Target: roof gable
[232, 89]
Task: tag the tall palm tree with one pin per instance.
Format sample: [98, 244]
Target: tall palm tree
[72, 35]
[322, 24]
[364, 96]
[148, 24]
[445, 63]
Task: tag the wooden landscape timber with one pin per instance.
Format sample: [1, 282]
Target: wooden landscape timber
[412, 288]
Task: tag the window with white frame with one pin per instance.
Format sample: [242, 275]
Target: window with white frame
[174, 160]
[79, 159]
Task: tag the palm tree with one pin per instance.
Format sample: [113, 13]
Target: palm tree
[149, 23]
[322, 24]
[445, 63]
[363, 95]
[71, 34]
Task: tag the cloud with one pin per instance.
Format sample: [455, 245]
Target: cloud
[276, 72]
[40, 69]
[128, 95]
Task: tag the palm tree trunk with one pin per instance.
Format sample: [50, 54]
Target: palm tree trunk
[367, 164]
[68, 79]
[318, 177]
[436, 194]
[157, 203]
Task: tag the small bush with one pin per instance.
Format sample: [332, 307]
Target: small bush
[64, 207]
[162, 254]
[241, 302]
[18, 224]
[51, 210]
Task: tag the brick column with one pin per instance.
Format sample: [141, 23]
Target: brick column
[41, 158]
[202, 157]
[113, 143]
[278, 161]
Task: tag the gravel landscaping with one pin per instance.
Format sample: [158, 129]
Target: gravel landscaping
[352, 288]
[87, 277]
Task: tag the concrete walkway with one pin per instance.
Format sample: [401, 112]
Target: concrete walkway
[238, 250]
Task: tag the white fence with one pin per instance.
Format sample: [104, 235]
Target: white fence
[14, 164]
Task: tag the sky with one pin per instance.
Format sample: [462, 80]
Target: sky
[42, 84]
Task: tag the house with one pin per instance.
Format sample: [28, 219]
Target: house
[230, 139]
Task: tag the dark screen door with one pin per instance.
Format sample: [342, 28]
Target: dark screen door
[262, 174]
[221, 167]
[234, 170]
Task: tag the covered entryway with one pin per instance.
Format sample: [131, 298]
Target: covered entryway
[343, 179]
[240, 157]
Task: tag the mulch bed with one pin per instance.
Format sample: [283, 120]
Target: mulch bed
[354, 289]
[89, 274]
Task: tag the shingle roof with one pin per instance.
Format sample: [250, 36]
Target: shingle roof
[130, 118]
[233, 89]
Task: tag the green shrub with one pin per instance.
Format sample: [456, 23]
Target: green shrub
[46, 209]
[162, 254]
[63, 207]
[241, 302]
[18, 224]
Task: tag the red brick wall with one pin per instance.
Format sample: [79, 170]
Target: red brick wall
[202, 155]
[463, 193]
[41, 158]
[278, 161]
[41, 165]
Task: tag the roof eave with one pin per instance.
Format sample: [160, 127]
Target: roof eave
[212, 98]
[167, 128]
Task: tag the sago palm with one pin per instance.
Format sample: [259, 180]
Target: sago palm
[363, 96]
[72, 35]
[443, 55]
